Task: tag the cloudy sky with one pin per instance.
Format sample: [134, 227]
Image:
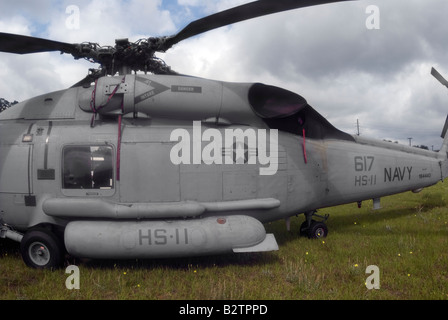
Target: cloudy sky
[350, 63]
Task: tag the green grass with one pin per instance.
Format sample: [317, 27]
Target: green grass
[407, 239]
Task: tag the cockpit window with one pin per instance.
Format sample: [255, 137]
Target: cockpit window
[273, 102]
[87, 167]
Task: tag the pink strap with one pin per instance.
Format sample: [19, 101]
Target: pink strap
[304, 146]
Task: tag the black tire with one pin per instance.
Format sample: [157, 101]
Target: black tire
[304, 229]
[41, 249]
[317, 230]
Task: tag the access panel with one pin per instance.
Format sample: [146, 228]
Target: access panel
[147, 174]
[15, 169]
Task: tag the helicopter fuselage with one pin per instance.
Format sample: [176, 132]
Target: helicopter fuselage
[157, 149]
[166, 165]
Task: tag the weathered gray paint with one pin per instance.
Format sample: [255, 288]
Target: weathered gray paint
[334, 171]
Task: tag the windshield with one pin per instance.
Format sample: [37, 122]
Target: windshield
[274, 102]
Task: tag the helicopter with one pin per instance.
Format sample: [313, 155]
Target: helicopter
[129, 165]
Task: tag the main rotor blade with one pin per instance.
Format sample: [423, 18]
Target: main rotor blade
[244, 12]
[14, 43]
[439, 77]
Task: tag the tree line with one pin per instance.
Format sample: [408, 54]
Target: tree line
[5, 104]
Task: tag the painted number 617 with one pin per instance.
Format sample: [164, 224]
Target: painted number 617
[363, 163]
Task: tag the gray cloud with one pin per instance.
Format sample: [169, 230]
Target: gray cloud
[325, 53]
[347, 72]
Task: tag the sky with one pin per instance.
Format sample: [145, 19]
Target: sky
[355, 62]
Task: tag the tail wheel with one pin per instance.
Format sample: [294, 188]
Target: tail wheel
[317, 230]
[41, 249]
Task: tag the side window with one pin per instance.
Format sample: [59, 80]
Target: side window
[87, 167]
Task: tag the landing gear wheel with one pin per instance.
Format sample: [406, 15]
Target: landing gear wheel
[317, 230]
[41, 249]
[314, 229]
[304, 229]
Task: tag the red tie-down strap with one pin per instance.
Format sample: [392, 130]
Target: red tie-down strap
[304, 146]
[95, 109]
[119, 134]
[95, 112]
[119, 144]
[301, 123]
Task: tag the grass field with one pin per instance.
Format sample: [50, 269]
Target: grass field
[407, 240]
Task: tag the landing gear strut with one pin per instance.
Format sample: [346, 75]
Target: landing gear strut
[314, 229]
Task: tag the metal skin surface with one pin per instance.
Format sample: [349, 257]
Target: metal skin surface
[316, 165]
[167, 165]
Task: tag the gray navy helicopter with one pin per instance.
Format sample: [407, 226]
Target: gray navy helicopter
[156, 164]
